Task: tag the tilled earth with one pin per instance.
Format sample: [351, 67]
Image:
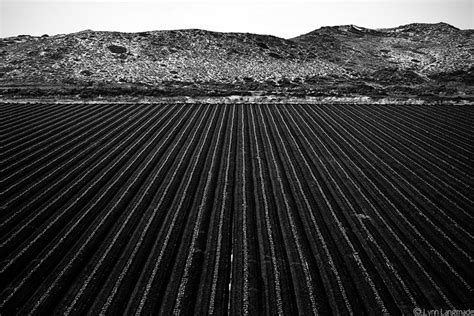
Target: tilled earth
[235, 208]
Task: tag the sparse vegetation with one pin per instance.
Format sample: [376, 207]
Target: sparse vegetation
[262, 45]
[116, 49]
[86, 72]
[337, 56]
[274, 55]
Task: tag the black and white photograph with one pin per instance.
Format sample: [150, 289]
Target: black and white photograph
[237, 157]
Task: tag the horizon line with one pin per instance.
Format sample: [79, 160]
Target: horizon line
[237, 32]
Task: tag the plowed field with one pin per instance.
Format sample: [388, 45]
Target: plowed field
[235, 208]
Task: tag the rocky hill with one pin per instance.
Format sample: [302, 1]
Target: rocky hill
[412, 59]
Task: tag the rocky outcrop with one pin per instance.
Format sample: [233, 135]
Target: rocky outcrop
[414, 54]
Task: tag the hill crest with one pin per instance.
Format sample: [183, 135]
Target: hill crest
[406, 55]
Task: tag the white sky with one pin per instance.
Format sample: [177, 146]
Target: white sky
[287, 18]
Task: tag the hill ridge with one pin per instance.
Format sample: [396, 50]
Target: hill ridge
[408, 55]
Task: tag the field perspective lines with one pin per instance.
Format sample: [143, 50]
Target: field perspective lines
[235, 208]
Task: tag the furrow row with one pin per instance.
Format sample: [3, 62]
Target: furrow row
[243, 208]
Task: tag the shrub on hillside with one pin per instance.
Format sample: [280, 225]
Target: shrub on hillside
[117, 49]
[274, 55]
[262, 45]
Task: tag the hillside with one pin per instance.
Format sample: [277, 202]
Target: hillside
[433, 58]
